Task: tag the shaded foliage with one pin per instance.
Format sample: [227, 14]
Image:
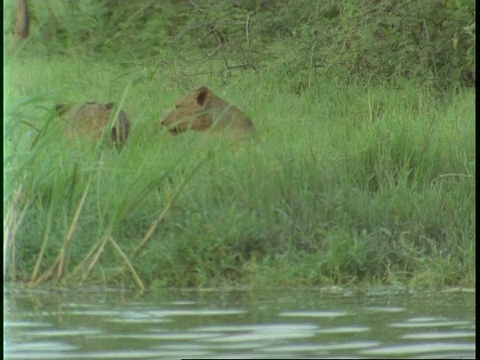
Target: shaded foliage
[431, 41]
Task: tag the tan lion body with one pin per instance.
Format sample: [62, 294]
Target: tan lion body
[202, 110]
[90, 119]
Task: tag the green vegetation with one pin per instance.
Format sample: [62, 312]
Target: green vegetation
[352, 178]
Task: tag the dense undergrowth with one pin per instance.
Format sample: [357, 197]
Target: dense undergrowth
[346, 182]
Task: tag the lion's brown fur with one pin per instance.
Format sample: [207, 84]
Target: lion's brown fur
[201, 110]
[90, 119]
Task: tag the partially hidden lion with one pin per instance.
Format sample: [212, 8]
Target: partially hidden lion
[90, 119]
[202, 110]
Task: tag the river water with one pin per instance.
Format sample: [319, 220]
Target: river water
[175, 324]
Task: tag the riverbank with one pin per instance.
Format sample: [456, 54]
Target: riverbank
[343, 184]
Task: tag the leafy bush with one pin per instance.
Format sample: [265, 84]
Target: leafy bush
[432, 42]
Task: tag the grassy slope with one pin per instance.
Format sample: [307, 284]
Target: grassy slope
[343, 185]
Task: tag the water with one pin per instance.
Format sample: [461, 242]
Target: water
[178, 324]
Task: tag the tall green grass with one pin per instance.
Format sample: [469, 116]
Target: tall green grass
[341, 185]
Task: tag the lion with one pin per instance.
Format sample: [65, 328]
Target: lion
[202, 110]
[90, 119]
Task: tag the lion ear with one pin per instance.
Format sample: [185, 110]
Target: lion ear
[62, 108]
[202, 97]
